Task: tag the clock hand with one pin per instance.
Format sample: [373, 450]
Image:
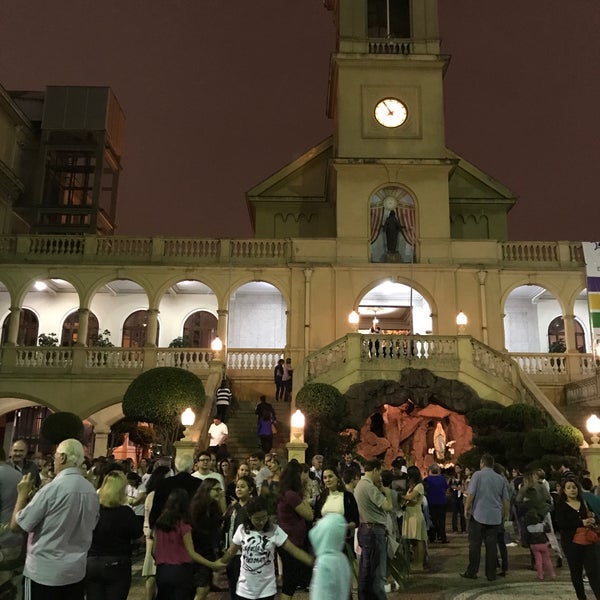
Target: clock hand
[390, 111]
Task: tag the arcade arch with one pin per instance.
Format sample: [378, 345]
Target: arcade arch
[397, 307]
[534, 319]
[257, 317]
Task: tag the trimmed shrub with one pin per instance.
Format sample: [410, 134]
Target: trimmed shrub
[326, 410]
[61, 426]
[159, 396]
[561, 439]
[522, 417]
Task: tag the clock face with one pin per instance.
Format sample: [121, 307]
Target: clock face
[390, 112]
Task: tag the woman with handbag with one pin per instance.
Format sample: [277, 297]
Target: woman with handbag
[576, 525]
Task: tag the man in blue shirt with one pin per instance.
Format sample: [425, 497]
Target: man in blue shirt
[486, 507]
[60, 520]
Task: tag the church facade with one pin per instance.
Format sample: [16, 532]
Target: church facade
[377, 250]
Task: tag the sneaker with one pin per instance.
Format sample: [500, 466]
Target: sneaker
[512, 545]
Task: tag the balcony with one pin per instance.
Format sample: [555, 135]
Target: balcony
[70, 249]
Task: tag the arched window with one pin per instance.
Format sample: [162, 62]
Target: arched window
[556, 335]
[199, 329]
[70, 329]
[28, 328]
[134, 330]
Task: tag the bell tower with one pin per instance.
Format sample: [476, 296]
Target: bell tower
[386, 100]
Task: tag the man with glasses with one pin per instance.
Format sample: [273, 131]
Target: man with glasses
[204, 469]
[60, 519]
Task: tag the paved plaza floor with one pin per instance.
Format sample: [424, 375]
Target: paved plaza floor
[445, 583]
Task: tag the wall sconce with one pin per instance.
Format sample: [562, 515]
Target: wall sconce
[297, 428]
[593, 427]
[461, 321]
[353, 319]
[216, 346]
[188, 418]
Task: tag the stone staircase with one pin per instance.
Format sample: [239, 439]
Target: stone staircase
[242, 429]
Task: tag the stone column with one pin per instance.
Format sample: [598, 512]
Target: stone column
[101, 440]
[569, 321]
[222, 329]
[152, 327]
[82, 329]
[13, 326]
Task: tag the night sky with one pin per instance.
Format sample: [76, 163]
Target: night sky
[220, 95]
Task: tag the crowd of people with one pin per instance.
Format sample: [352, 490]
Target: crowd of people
[325, 526]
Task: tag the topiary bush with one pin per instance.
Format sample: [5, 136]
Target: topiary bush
[561, 439]
[61, 426]
[159, 396]
[485, 419]
[522, 417]
[532, 447]
[470, 458]
[326, 410]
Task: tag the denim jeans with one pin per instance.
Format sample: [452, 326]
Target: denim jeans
[373, 562]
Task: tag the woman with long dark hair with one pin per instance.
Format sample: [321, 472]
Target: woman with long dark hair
[571, 514]
[294, 515]
[174, 551]
[236, 515]
[149, 568]
[335, 498]
[207, 509]
[413, 524]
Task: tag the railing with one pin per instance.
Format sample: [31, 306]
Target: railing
[412, 347]
[391, 46]
[189, 359]
[47, 358]
[78, 360]
[541, 364]
[114, 358]
[51, 249]
[330, 357]
[253, 359]
[48, 248]
[582, 392]
[384, 350]
[493, 362]
[567, 365]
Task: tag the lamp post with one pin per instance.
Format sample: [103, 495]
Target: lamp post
[296, 447]
[217, 346]
[353, 319]
[186, 446]
[592, 452]
[461, 322]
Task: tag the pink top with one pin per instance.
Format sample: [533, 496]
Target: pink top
[169, 545]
